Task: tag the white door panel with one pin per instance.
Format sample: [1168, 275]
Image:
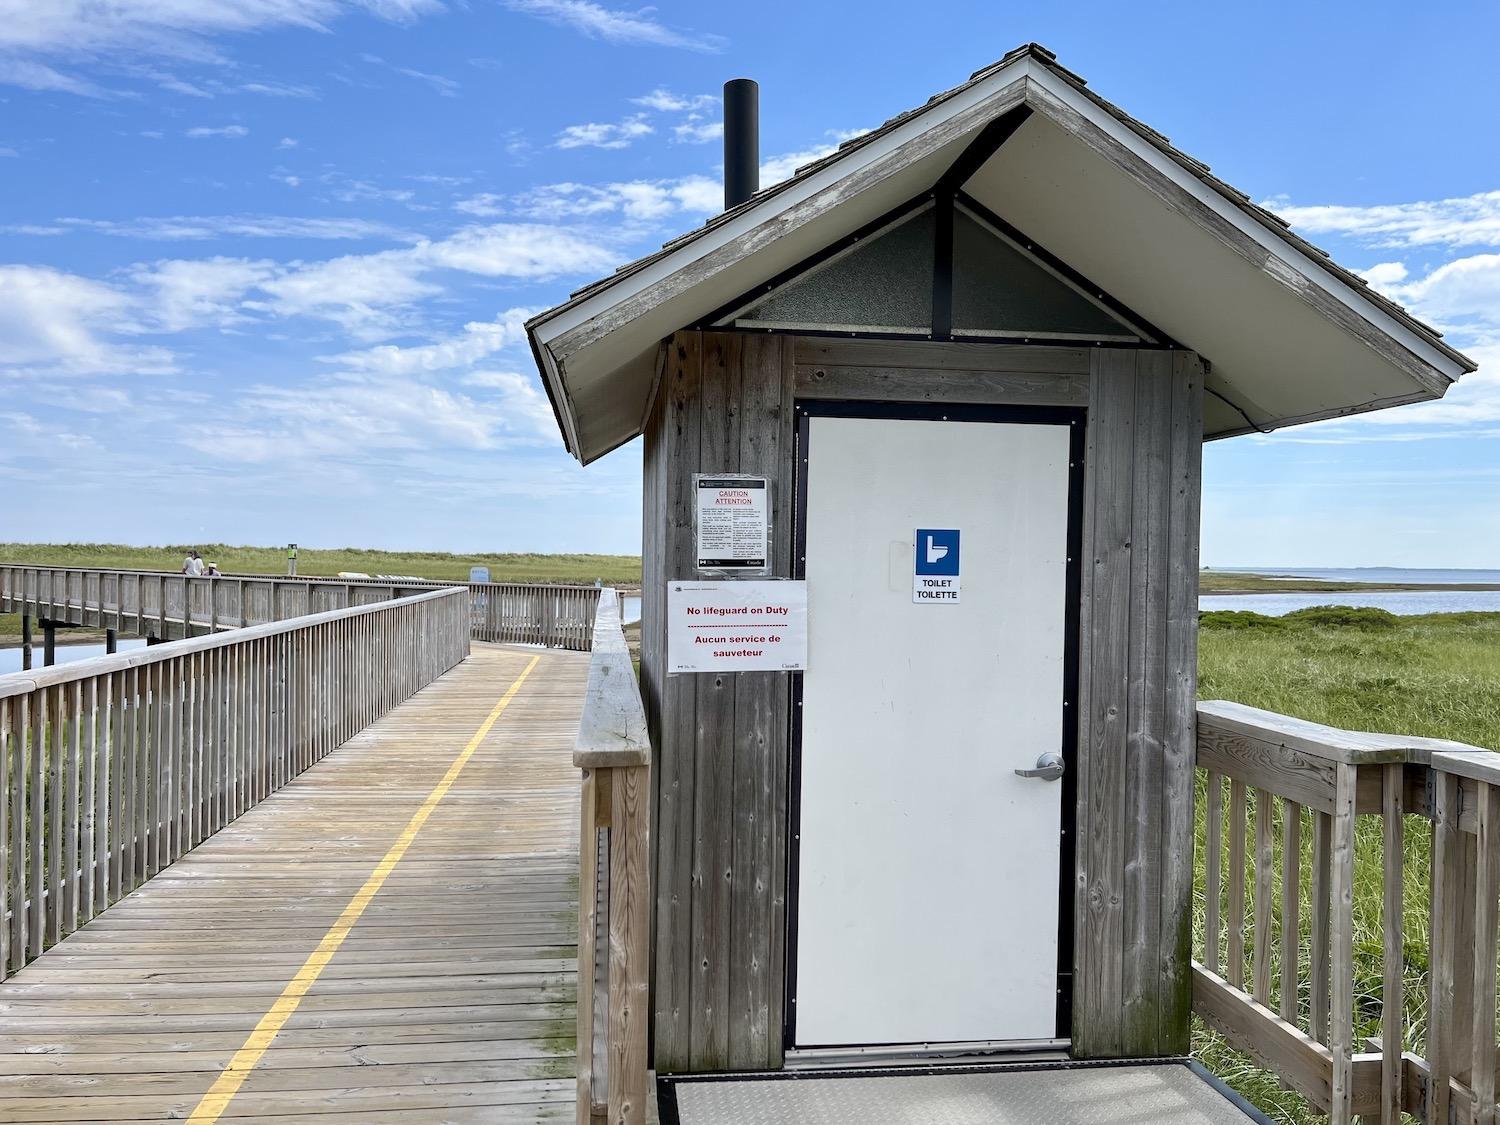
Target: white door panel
[928, 871]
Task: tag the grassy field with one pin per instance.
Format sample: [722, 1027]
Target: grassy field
[1435, 675]
[614, 569]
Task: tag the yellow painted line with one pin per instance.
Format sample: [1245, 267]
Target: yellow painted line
[233, 1076]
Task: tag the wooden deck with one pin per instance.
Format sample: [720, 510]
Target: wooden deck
[444, 989]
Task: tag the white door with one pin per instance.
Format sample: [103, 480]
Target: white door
[927, 870]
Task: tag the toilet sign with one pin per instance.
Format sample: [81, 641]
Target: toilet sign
[935, 570]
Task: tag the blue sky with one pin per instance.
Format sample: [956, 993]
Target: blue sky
[263, 263]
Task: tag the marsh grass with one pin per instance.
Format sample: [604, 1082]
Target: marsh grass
[1436, 675]
[620, 569]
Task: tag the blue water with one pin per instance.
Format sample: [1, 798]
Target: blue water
[1404, 602]
[10, 658]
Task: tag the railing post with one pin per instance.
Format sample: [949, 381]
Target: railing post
[1393, 1010]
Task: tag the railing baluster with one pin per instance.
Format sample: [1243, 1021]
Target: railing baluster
[1486, 934]
[1318, 948]
[1393, 916]
[1291, 908]
[1265, 859]
[1237, 816]
[1341, 959]
[1213, 864]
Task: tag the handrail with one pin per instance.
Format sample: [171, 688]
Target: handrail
[167, 604]
[113, 768]
[614, 752]
[1287, 771]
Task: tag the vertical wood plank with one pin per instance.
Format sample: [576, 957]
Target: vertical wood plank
[1318, 944]
[1104, 708]
[1393, 917]
[76, 807]
[760, 739]
[713, 794]
[629, 945]
[1291, 909]
[1265, 859]
[1341, 956]
[36, 792]
[1141, 862]
[678, 435]
[588, 874]
[1180, 711]
[1238, 813]
[8, 778]
[1486, 935]
[1213, 866]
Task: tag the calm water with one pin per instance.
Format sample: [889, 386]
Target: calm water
[10, 658]
[1372, 574]
[1406, 602]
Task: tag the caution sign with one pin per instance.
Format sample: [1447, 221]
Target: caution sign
[936, 569]
[736, 626]
[733, 523]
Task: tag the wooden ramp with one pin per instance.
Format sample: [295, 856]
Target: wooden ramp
[444, 991]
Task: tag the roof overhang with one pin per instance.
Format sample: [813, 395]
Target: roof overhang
[1290, 336]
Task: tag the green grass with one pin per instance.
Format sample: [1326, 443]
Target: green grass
[1436, 675]
[614, 569]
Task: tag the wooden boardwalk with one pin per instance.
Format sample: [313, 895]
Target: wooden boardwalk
[450, 996]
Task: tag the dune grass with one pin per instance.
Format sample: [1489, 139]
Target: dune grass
[1436, 675]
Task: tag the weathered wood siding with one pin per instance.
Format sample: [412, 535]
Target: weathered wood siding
[725, 405]
[1137, 693]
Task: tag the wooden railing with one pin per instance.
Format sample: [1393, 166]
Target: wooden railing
[515, 613]
[614, 752]
[1286, 996]
[169, 606]
[112, 768]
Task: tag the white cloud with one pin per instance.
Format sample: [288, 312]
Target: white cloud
[8, 152]
[198, 227]
[598, 22]
[287, 142]
[366, 293]
[479, 340]
[31, 75]
[485, 205]
[446, 87]
[697, 132]
[200, 131]
[641, 200]
[597, 135]
[87, 30]
[1384, 275]
[1472, 220]
[665, 101]
[774, 169]
[518, 399]
[186, 293]
[59, 323]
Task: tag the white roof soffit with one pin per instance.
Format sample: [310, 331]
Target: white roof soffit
[1289, 337]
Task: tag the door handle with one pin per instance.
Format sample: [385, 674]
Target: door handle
[1049, 767]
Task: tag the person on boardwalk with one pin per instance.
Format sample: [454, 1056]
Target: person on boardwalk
[192, 566]
[212, 571]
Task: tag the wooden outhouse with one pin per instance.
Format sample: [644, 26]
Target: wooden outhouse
[981, 345]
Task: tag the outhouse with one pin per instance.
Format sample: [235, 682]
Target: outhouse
[956, 377]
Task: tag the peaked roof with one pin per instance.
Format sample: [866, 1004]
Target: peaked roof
[1289, 334]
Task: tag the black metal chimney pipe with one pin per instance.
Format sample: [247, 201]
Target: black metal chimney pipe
[741, 141]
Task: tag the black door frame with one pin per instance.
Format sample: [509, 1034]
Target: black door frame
[1076, 418]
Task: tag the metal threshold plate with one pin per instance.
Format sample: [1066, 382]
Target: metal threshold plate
[1156, 1094]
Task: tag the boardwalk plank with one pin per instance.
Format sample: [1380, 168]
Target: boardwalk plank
[450, 1000]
